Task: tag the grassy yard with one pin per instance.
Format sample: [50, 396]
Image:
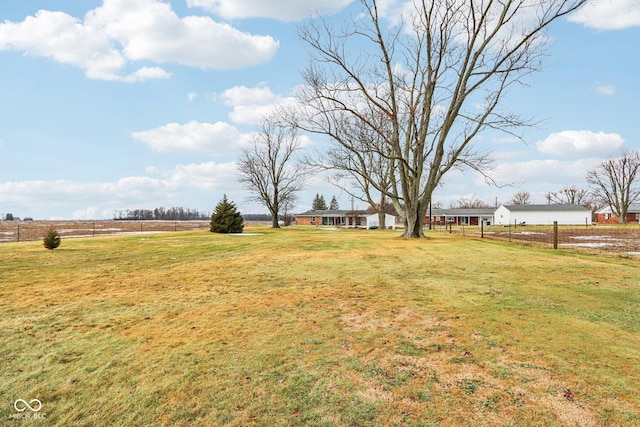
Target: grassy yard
[316, 327]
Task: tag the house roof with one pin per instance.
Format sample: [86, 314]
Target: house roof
[333, 213]
[462, 212]
[545, 208]
[633, 208]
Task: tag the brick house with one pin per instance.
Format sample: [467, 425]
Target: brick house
[343, 218]
[460, 216]
[606, 215]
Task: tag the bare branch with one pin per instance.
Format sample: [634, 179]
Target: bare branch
[418, 95]
[268, 170]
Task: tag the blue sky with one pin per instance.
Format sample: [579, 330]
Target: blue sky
[114, 104]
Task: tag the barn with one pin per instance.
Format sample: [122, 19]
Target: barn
[542, 214]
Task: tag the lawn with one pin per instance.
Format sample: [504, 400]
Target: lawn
[316, 327]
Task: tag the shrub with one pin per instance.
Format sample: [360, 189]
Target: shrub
[226, 218]
[51, 239]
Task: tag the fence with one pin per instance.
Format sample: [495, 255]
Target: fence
[19, 231]
[609, 238]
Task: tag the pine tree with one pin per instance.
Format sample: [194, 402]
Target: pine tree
[226, 218]
[51, 239]
[319, 203]
[333, 206]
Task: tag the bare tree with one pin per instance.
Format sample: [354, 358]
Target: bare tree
[521, 198]
[354, 169]
[571, 195]
[615, 182]
[268, 170]
[470, 203]
[437, 79]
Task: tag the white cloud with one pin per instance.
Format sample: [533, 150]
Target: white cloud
[193, 138]
[88, 213]
[48, 195]
[580, 142]
[146, 73]
[206, 176]
[606, 89]
[283, 10]
[102, 198]
[251, 105]
[608, 14]
[242, 95]
[191, 96]
[118, 33]
[64, 39]
[537, 177]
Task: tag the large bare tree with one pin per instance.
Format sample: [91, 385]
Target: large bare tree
[437, 77]
[353, 170]
[471, 202]
[615, 182]
[268, 169]
[521, 198]
[571, 195]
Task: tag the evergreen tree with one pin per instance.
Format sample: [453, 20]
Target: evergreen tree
[226, 218]
[319, 203]
[51, 239]
[333, 206]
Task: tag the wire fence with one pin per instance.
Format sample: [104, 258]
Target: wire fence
[20, 231]
[623, 240]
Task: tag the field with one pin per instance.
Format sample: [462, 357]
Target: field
[309, 326]
[20, 231]
[615, 239]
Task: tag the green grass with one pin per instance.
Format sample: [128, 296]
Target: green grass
[313, 327]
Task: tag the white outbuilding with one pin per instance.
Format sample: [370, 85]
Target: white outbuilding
[542, 215]
[374, 222]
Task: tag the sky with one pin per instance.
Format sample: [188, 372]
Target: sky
[109, 105]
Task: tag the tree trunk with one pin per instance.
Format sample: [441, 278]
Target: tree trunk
[381, 220]
[413, 224]
[622, 218]
[274, 220]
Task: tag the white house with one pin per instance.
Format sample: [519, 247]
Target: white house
[542, 214]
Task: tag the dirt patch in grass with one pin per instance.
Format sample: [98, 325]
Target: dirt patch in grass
[422, 352]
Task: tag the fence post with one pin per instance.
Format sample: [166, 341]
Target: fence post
[555, 234]
[482, 229]
[18, 232]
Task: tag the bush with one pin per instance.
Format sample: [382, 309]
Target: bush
[51, 239]
[226, 218]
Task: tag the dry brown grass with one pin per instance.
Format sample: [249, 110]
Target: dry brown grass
[309, 327]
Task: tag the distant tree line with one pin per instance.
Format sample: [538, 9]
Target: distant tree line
[172, 214]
